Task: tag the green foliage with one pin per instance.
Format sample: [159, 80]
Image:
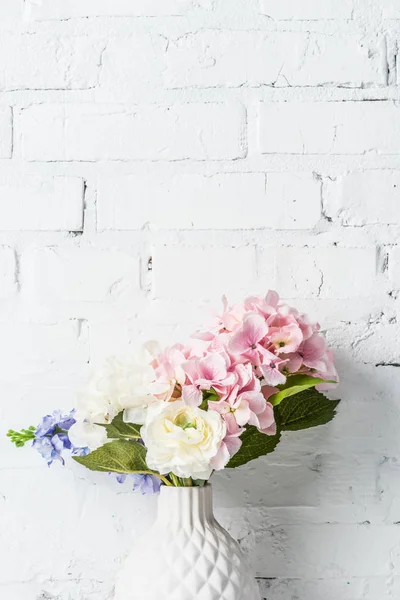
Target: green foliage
[119, 456]
[294, 385]
[254, 444]
[20, 438]
[208, 396]
[199, 482]
[307, 409]
[119, 430]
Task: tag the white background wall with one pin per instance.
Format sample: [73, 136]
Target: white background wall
[155, 154]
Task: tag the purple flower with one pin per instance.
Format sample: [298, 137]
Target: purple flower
[147, 484]
[51, 437]
[47, 449]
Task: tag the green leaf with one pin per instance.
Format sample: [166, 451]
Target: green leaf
[254, 444]
[119, 456]
[199, 482]
[294, 385]
[208, 396]
[307, 409]
[119, 430]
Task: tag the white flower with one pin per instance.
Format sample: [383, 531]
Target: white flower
[87, 435]
[182, 439]
[121, 385]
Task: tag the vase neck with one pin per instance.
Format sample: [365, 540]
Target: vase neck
[185, 506]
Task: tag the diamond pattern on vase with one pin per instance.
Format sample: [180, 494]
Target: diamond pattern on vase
[186, 555]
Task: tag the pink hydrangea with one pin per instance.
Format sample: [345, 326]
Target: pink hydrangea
[247, 351]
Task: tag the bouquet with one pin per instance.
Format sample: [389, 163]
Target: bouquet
[173, 416]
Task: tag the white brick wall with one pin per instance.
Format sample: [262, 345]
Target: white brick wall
[307, 10]
[329, 128]
[46, 204]
[5, 132]
[212, 131]
[155, 154]
[66, 9]
[48, 62]
[240, 58]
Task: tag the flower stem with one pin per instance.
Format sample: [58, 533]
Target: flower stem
[175, 480]
[186, 482]
[164, 479]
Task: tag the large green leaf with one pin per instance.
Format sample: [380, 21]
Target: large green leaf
[295, 384]
[302, 411]
[120, 456]
[254, 444]
[118, 429]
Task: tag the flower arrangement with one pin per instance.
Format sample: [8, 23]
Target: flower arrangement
[174, 416]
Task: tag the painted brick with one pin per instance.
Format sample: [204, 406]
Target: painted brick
[48, 62]
[390, 10]
[123, 77]
[347, 272]
[319, 272]
[329, 128]
[8, 267]
[394, 267]
[11, 10]
[229, 201]
[300, 541]
[314, 589]
[34, 204]
[30, 344]
[379, 346]
[294, 200]
[364, 197]
[67, 9]
[240, 58]
[91, 133]
[6, 135]
[80, 274]
[307, 10]
[222, 270]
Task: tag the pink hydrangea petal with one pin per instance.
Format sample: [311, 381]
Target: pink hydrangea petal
[253, 330]
[192, 395]
[272, 298]
[270, 430]
[242, 413]
[212, 367]
[231, 423]
[268, 391]
[233, 442]
[255, 400]
[272, 376]
[313, 348]
[267, 419]
[293, 362]
[221, 459]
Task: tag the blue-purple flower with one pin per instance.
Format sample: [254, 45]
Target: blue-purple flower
[146, 484]
[51, 436]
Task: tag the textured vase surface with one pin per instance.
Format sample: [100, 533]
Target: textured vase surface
[186, 555]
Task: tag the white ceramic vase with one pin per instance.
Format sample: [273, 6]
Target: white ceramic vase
[186, 555]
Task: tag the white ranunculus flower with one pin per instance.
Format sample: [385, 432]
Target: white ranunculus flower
[182, 439]
[83, 434]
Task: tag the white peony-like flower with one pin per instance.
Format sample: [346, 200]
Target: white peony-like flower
[119, 386]
[182, 439]
[87, 435]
